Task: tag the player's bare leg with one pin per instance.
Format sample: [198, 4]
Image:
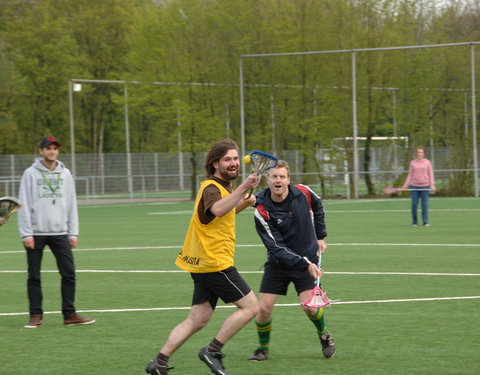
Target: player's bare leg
[211, 354]
[198, 318]
[247, 309]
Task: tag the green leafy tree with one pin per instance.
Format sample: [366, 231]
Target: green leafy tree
[101, 31]
[43, 56]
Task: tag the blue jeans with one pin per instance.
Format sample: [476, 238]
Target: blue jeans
[422, 194]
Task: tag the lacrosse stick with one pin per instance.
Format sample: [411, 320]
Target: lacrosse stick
[392, 190]
[8, 206]
[260, 163]
[318, 298]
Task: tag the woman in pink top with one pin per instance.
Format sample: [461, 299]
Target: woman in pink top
[420, 181]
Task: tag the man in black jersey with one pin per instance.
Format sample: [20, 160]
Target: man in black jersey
[291, 223]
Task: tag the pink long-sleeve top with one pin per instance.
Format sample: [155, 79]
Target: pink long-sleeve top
[420, 173]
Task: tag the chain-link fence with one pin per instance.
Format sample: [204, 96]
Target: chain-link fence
[176, 176]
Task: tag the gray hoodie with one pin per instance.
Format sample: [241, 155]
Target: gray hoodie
[49, 202]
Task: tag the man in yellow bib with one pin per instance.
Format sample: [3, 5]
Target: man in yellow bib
[208, 254]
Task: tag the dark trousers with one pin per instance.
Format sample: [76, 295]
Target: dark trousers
[61, 249]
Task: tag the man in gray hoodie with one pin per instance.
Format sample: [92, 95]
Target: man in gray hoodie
[49, 217]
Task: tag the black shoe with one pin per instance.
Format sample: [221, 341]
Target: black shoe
[213, 360]
[328, 345]
[259, 355]
[155, 369]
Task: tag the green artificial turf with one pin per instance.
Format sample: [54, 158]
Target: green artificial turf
[410, 324]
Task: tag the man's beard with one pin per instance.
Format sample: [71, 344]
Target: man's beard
[228, 177]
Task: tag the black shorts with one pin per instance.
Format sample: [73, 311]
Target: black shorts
[227, 285]
[276, 279]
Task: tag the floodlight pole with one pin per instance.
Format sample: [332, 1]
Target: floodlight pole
[127, 142]
[394, 111]
[355, 125]
[272, 111]
[242, 116]
[72, 127]
[180, 149]
[432, 145]
[465, 110]
[227, 120]
[474, 119]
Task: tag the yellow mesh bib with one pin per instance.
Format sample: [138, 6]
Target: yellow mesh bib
[208, 247]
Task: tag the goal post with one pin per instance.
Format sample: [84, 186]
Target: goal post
[353, 88]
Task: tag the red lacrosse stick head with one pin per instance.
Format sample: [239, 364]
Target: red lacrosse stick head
[317, 298]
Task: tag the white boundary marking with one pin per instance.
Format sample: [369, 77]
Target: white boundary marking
[278, 305]
[405, 244]
[394, 300]
[261, 245]
[124, 204]
[171, 213]
[361, 200]
[399, 210]
[261, 272]
[327, 211]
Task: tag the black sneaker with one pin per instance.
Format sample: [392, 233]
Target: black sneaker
[259, 355]
[328, 345]
[213, 360]
[155, 369]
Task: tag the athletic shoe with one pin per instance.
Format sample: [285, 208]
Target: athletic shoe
[328, 345]
[154, 368]
[213, 360]
[259, 355]
[414, 225]
[35, 321]
[427, 225]
[77, 319]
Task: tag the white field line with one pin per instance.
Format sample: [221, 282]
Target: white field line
[261, 245]
[355, 201]
[430, 209]
[393, 300]
[126, 204]
[189, 212]
[326, 201]
[278, 305]
[171, 213]
[401, 244]
[261, 272]
[108, 249]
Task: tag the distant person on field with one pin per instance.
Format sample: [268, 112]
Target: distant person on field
[291, 223]
[420, 181]
[49, 217]
[208, 254]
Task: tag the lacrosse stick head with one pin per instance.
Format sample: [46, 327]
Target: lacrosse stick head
[8, 206]
[261, 161]
[390, 189]
[317, 298]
